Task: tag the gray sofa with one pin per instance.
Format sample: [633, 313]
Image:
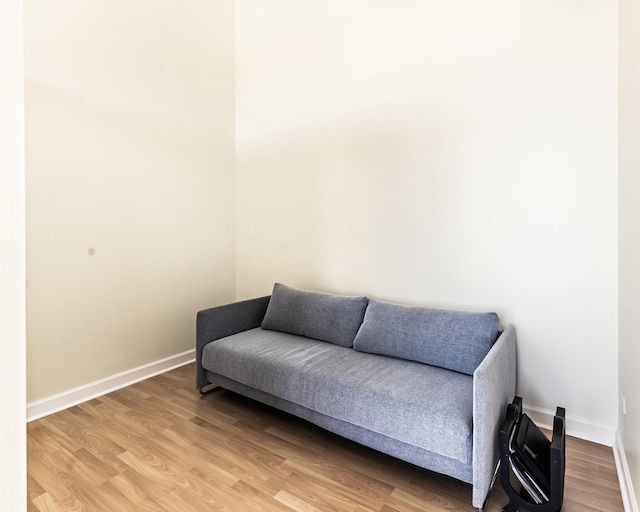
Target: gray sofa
[424, 385]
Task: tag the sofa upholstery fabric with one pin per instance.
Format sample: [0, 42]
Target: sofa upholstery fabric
[317, 315]
[386, 444]
[421, 405]
[455, 340]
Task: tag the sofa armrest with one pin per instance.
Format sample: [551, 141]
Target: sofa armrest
[219, 322]
[494, 386]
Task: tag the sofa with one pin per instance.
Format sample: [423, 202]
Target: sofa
[428, 386]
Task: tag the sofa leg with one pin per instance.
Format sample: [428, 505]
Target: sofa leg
[209, 387]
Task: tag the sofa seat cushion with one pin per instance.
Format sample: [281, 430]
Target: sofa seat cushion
[456, 340]
[418, 404]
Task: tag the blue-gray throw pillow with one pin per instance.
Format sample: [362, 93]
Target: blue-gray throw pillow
[455, 340]
[317, 315]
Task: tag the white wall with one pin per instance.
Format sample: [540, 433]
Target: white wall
[629, 187]
[130, 182]
[452, 154]
[13, 482]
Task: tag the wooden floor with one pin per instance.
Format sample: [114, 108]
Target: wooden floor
[160, 446]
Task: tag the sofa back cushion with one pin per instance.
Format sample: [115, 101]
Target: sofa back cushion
[317, 315]
[455, 340]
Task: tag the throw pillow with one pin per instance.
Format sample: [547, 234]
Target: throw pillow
[455, 340]
[317, 315]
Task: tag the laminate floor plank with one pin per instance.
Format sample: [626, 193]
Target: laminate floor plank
[48, 473]
[326, 496]
[34, 489]
[141, 489]
[261, 498]
[121, 484]
[362, 489]
[160, 446]
[45, 503]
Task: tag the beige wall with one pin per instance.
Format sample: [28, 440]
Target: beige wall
[130, 182]
[13, 482]
[433, 153]
[629, 176]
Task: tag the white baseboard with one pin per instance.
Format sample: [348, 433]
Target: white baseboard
[75, 396]
[575, 427]
[624, 476]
